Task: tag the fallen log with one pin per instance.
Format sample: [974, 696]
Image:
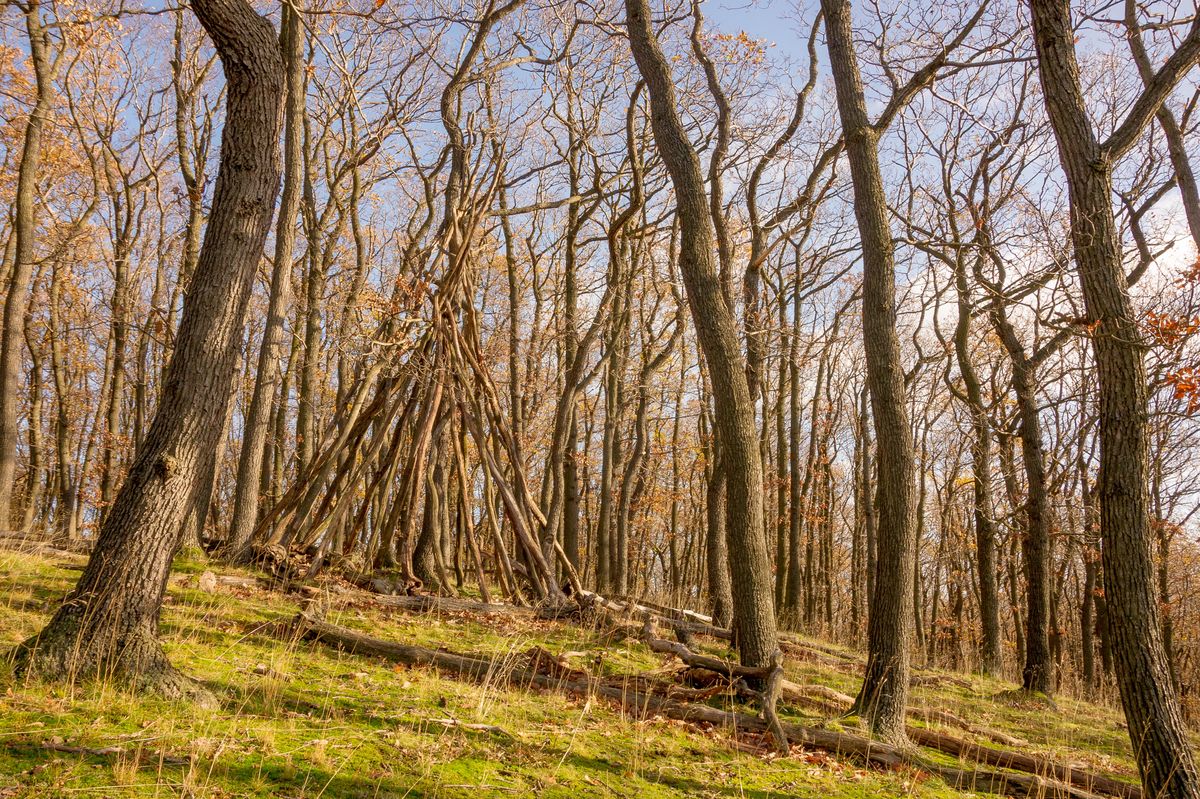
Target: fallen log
[431, 604]
[141, 754]
[828, 698]
[722, 667]
[836, 703]
[870, 752]
[50, 549]
[1020, 761]
[950, 720]
[640, 611]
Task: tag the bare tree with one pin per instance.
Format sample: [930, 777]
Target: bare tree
[109, 622]
[753, 612]
[1160, 744]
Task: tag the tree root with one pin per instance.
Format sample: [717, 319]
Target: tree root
[65, 652]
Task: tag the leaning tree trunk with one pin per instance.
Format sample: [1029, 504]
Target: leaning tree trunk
[1160, 743]
[884, 692]
[749, 566]
[109, 623]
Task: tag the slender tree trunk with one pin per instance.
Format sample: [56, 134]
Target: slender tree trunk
[66, 487]
[109, 623]
[981, 474]
[1038, 671]
[12, 334]
[116, 392]
[749, 564]
[884, 694]
[33, 474]
[720, 590]
[1185, 177]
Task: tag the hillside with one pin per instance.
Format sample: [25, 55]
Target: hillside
[298, 718]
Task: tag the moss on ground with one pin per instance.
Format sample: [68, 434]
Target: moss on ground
[299, 719]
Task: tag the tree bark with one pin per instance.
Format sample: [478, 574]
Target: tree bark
[1164, 755]
[981, 473]
[254, 437]
[12, 335]
[749, 566]
[884, 692]
[109, 623]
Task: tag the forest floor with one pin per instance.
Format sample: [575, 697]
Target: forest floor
[298, 718]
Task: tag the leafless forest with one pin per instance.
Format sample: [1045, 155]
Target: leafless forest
[883, 330]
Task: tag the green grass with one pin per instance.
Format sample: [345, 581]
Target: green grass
[298, 719]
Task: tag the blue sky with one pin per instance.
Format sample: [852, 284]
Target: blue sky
[773, 20]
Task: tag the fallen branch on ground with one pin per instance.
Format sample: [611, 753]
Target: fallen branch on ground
[836, 703]
[477, 667]
[104, 751]
[492, 728]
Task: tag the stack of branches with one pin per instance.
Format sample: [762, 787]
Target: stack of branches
[438, 406]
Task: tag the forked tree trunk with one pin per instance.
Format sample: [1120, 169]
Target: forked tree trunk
[981, 472]
[1160, 744]
[750, 571]
[108, 626]
[884, 692]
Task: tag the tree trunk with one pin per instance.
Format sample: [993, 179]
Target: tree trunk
[1038, 671]
[1160, 743]
[884, 692]
[12, 334]
[749, 565]
[981, 473]
[254, 437]
[109, 623]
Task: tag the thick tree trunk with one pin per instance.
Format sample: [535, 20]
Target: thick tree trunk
[109, 623]
[884, 692]
[1160, 744]
[749, 565]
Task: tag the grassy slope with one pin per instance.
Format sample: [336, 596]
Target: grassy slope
[302, 720]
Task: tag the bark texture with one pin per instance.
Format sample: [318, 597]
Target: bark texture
[12, 334]
[1165, 758]
[884, 692]
[254, 438]
[750, 572]
[108, 625]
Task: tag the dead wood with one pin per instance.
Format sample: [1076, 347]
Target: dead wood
[109, 751]
[770, 699]
[723, 667]
[874, 753]
[1021, 761]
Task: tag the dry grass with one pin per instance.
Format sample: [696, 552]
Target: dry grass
[300, 720]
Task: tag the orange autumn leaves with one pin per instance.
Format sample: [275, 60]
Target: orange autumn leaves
[1175, 332]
